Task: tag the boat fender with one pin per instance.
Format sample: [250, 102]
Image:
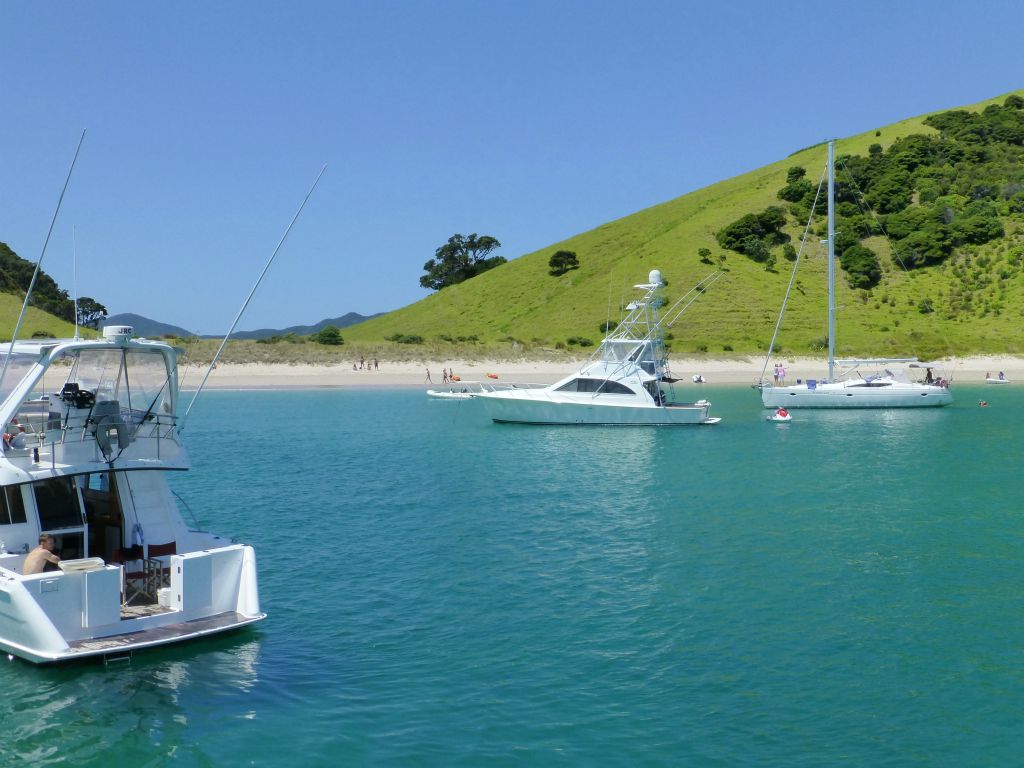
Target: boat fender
[782, 412]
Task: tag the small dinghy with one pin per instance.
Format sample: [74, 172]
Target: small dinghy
[781, 416]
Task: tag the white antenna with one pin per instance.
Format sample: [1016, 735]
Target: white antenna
[39, 262]
[74, 273]
[216, 357]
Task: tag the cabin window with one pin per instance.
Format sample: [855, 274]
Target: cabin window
[13, 509]
[596, 386]
[58, 504]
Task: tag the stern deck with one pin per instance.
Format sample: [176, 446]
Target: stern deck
[147, 638]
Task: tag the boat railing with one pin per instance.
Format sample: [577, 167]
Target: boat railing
[58, 439]
[195, 520]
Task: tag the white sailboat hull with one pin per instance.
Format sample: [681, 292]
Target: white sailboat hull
[852, 395]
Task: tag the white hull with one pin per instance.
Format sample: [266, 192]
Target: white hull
[539, 407]
[57, 616]
[997, 381]
[449, 394]
[840, 395]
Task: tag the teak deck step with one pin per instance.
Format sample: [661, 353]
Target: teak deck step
[159, 635]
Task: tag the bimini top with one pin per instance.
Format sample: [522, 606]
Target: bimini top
[67, 404]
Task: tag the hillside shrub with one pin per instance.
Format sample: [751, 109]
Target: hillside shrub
[329, 336]
[581, 341]
[753, 235]
[289, 338]
[406, 338]
[862, 267]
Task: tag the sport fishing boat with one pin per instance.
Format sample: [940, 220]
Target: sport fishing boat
[627, 382]
[868, 383]
[90, 435]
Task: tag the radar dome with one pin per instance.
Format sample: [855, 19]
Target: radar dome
[655, 277]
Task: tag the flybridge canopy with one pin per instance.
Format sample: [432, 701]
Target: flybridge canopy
[139, 375]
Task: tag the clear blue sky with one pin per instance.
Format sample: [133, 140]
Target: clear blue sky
[530, 121]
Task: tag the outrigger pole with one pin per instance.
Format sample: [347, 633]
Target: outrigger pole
[39, 262]
[216, 357]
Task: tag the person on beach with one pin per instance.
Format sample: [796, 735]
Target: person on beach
[428, 377]
[444, 375]
[782, 374]
[36, 560]
[775, 374]
[376, 366]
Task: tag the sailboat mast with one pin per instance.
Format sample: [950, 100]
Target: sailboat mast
[831, 261]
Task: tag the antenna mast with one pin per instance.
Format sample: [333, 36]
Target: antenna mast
[74, 273]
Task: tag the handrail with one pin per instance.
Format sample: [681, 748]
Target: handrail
[195, 520]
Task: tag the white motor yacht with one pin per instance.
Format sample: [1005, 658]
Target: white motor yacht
[627, 382]
[90, 435]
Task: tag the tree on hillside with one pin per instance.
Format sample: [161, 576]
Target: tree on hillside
[90, 312]
[16, 275]
[329, 335]
[562, 261]
[460, 259]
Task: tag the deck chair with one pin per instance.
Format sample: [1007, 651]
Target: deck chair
[133, 573]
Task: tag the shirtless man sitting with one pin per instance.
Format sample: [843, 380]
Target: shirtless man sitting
[36, 560]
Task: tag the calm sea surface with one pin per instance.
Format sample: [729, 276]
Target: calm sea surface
[847, 589]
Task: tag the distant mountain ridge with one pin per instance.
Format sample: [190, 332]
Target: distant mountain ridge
[144, 326]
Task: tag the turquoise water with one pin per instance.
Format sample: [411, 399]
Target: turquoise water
[842, 590]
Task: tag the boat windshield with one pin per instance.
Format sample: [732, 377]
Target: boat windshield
[18, 366]
[137, 379]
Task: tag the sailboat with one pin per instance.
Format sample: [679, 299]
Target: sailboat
[886, 386]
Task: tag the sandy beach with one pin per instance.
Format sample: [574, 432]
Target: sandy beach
[400, 375]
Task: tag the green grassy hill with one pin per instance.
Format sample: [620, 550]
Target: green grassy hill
[36, 321]
[519, 301]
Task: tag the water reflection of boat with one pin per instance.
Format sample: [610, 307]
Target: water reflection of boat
[628, 382]
[98, 435]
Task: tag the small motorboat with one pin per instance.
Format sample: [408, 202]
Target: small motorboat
[451, 394]
[781, 416]
[1001, 379]
[698, 379]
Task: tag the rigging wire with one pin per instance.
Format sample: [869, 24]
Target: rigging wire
[792, 276]
[39, 262]
[216, 357]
